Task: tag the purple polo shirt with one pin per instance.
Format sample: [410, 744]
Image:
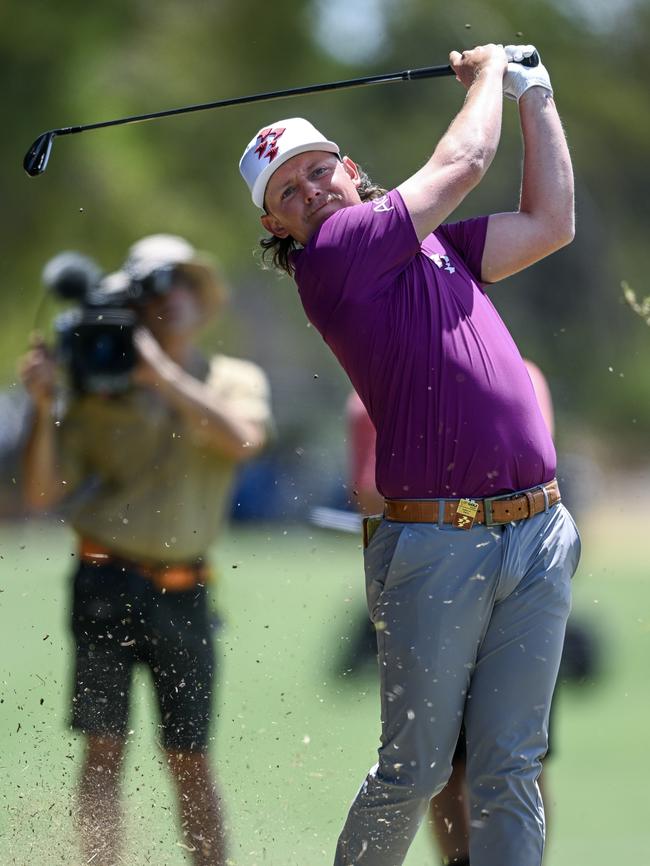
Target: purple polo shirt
[425, 349]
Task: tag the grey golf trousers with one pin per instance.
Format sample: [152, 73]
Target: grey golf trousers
[470, 627]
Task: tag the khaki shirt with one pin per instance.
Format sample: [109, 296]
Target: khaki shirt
[146, 486]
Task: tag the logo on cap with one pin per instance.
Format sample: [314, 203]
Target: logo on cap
[268, 142]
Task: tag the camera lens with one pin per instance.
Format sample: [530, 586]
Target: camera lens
[157, 283]
[97, 346]
[106, 350]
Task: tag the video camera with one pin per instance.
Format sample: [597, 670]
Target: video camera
[95, 338]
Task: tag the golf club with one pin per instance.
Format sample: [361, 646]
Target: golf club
[36, 158]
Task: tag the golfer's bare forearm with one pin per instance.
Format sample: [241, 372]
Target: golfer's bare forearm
[547, 192]
[544, 221]
[462, 156]
[473, 136]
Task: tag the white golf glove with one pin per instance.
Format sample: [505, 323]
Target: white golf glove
[519, 78]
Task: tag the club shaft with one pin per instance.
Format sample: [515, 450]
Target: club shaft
[36, 158]
[405, 75]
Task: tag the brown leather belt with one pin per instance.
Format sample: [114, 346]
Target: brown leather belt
[166, 577]
[495, 510]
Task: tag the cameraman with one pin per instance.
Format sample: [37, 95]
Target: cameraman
[151, 470]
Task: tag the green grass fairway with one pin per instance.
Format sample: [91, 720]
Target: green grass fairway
[293, 742]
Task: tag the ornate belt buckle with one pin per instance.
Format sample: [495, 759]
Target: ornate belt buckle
[465, 514]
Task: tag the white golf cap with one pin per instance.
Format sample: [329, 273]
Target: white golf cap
[274, 145]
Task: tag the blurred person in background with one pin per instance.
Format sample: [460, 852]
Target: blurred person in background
[146, 473]
[449, 813]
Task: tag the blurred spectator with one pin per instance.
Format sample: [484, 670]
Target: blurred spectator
[146, 470]
[14, 408]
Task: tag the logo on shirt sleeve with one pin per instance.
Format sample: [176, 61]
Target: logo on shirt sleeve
[442, 262]
[382, 205]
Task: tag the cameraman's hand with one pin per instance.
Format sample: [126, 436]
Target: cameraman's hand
[154, 364]
[37, 370]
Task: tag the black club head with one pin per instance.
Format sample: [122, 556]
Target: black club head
[36, 158]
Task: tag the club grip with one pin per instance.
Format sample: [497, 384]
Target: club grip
[427, 72]
[531, 61]
[438, 71]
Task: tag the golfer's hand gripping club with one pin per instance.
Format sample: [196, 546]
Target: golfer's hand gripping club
[36, 158]
[520, 75]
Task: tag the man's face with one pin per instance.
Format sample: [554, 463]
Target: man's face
[306, 190]
[177, 312]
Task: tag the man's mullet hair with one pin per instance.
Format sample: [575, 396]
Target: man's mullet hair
[276, 252]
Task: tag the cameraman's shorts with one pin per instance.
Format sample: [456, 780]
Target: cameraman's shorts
[118, 619]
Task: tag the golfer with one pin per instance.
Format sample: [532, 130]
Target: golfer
[468, 573]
